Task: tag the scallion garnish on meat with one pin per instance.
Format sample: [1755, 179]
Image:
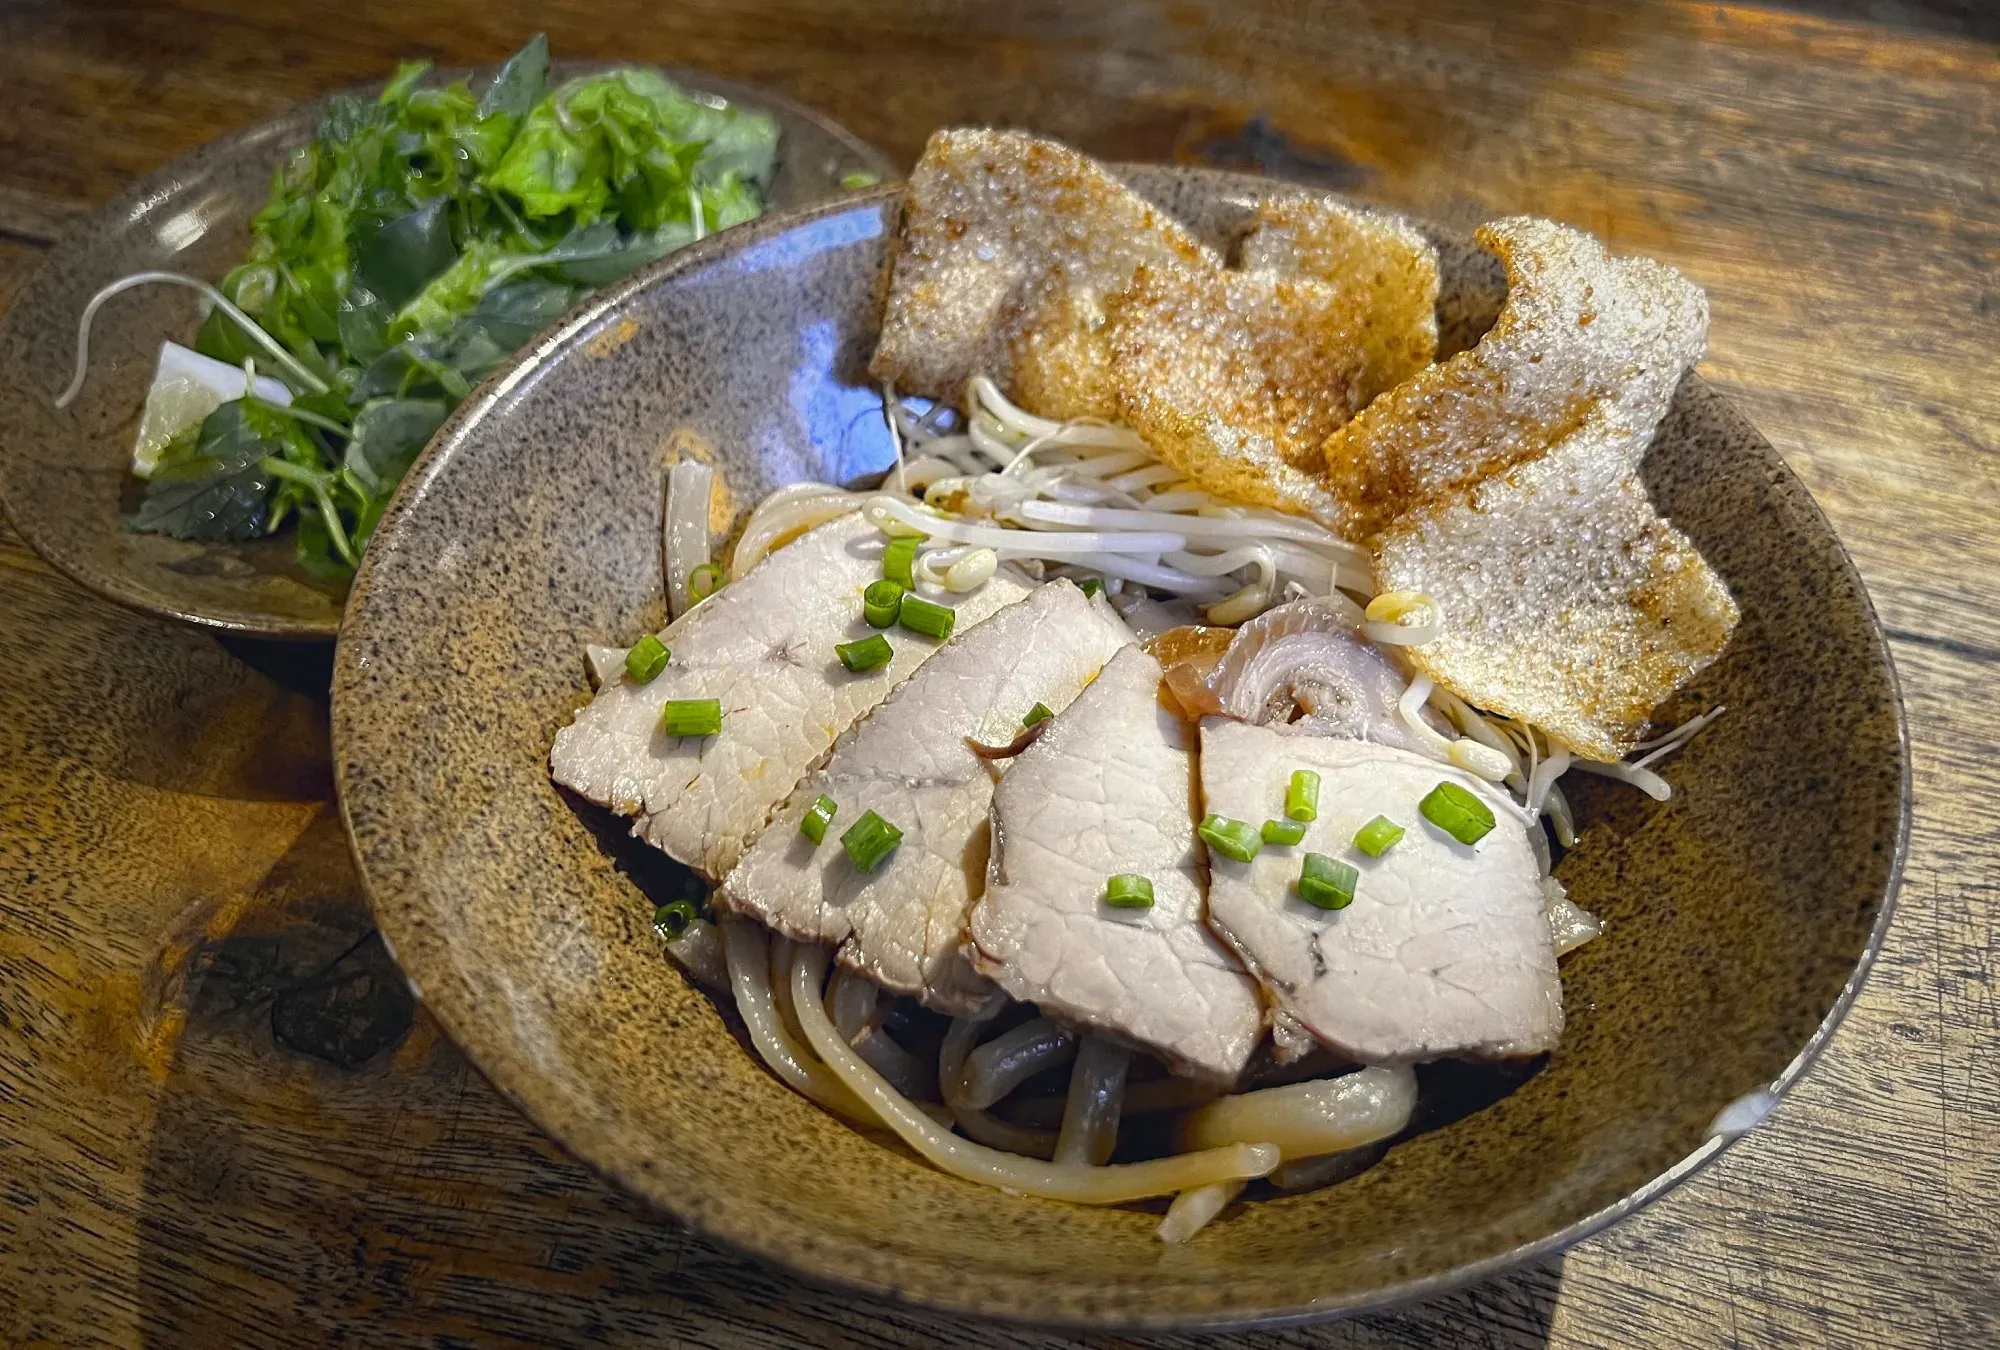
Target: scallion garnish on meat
[865, 654]
[646, 660]
[922, 616]
[897, 558]
[817, 817]
[1378, 836]
[1231, 838]
[881, 603]
[1327, 883]
[691, 717]
[1302, 795]
[869, 840]
[1457, 812]
[1283, 831]
[1128, 890]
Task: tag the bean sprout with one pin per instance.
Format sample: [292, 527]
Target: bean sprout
[288, 363]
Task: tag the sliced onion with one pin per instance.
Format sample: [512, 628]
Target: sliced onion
[690, 489]
[606, 664]
[698, 949]
[1570, 924]
[773, 525]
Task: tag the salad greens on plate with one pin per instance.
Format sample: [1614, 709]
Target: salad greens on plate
[404, 254]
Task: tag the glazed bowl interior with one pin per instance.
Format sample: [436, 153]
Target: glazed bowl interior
[65, 475]
[1738, 914]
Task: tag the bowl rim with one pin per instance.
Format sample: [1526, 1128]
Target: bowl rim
[569, 334]
[169, 183]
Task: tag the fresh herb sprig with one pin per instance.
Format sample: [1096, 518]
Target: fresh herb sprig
[414, 245]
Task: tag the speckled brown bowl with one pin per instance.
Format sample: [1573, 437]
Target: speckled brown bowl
[1739, 915]
[64, 475]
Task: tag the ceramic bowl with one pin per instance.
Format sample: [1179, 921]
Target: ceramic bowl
[64, 475]
[1739, 915]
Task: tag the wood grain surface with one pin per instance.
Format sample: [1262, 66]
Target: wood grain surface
[222, 1122]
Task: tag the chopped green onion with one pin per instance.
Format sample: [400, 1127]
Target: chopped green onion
[1302, 797]
[1378, 836]
[1092, 585]
[1231, 838]
[1327, 882]
[896, 559]
[866, 654]
[881, 602]
[1038, 714]
[1128, 890]
[921, 616]
[817, 817]
[704, 581]
[672, 919]
[1283, 831]
[691, 717]
[1457, 812]
[869, 840]
[858, 178]
[646, 660]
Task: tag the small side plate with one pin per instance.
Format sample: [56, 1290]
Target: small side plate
[63, 474]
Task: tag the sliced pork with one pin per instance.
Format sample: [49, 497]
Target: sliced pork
[1445, 949]
[1108, 789]
[909, 761]
[764, 647]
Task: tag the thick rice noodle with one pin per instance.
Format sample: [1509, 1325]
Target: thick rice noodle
[1114, 1185]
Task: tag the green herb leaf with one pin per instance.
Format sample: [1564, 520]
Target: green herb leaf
[407, 253]
[213, 485]
[408, 73]
[388, 435]
[514, 91]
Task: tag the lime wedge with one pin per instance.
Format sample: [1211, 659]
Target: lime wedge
[187, 387]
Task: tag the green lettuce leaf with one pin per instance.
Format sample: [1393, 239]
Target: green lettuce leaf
[515, 90]
[211, 484]
[388, 434]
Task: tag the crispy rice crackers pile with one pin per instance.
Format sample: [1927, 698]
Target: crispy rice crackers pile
[1502, 482]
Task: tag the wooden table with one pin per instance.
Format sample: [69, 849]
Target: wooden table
[219, 1121]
